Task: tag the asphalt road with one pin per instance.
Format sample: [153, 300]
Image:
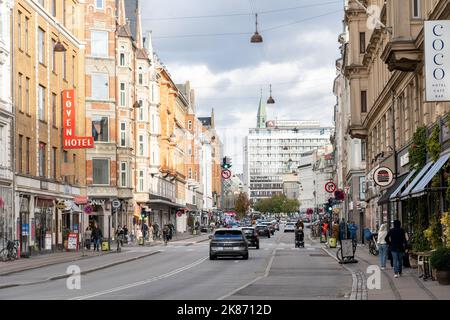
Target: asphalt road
[182, 270]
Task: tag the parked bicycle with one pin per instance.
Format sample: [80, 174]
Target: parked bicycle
[10, 252]
[372, 238]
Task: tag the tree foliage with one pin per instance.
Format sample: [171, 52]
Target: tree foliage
[277, 204]
[242, 204]
[418, 149]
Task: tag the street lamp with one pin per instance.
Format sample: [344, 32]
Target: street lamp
[59, 47]
[256, 38]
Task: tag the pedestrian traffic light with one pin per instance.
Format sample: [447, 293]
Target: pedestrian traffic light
[226, 163]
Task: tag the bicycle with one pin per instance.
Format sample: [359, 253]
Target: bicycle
[10, 252]
[373, 247]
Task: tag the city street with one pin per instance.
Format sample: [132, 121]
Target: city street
[182, 270]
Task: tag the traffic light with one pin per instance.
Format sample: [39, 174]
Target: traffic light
[143, 213]
[330, 205]
[226, 163]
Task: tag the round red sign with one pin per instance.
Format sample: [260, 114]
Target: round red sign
[330, 187]
[226, 174]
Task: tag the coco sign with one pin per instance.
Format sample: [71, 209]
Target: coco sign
[437, 60]
[383, 176]
[69, 139]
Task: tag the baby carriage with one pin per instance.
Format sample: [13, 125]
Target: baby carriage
[299, 238]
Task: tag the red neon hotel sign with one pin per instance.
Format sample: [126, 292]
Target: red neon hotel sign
[70, 141]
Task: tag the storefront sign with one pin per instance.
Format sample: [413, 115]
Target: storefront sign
[383, 176]
[81, 200]
[61, 205]
[437, 60]
[72, 241]
[25, 229]
[97, 202]
[69, 139]
[404, 159]
[115, 203]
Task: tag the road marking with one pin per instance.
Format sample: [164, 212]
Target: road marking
[140, 283]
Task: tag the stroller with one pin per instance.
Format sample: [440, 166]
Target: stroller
[299, 238]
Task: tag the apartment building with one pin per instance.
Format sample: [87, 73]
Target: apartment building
[48, 58]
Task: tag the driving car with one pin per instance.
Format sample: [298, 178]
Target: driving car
[270, 226]
[289, 227]
[252, 236]
[228, 243]
[263, 230]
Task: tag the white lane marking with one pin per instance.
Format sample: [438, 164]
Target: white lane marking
[266, 273]
[140, 283]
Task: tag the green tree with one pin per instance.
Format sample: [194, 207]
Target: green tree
[242, 205]
[418, 149]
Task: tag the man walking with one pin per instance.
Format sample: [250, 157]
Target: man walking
[352, 228]
[396, 241]
[97, 236]
[342, 231]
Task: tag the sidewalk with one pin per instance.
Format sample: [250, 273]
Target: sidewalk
[408, 287]
[40, 261]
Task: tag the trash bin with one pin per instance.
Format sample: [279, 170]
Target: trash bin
[332, 242]
[105, 245]
[141, 241]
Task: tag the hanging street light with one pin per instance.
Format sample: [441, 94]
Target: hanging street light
[256, 38]
[270, 100]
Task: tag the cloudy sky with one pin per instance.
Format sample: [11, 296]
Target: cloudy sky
[208, 43]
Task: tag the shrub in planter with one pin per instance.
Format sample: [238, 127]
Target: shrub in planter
[440, 260]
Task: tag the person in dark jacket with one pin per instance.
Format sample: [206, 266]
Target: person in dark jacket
[97, 237]
[342, 229]
[396, 241]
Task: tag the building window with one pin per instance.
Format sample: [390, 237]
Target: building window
[42, 161]
[123, 134]
[363, 150]
[141, 78]
[100, 171]
[27, 94]
[65, 157]
[41, 43]
[100, 129]
[190, 124]
[54, 163]
[54, 112]
[64, 66]
[141, 181]
[64, 12]
[27, 24]
[415, 8]
[53, 62]
[19, 29]
[54, 8]
[99, 86]
[99, 43]
[141, 112]
[190, 173]
[362, 42]
[19, 156]
[123, 174]
[122, 59]
[141, 145]
[122, 95]
[73, 71]
[19, 92]
[364, 101]
[28, 156]
[41, 105]
[99, 4]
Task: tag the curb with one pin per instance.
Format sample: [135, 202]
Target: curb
[53, 263]
[82, 273]
[354, 293]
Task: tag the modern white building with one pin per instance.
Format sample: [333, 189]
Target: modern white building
[6, 124]
[274, 148]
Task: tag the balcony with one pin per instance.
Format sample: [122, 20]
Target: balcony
[402, 55]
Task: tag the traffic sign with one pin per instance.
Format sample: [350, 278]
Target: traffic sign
[115, 203]
[88, 209]
[226, 174]
[61, 205]
[330, 187]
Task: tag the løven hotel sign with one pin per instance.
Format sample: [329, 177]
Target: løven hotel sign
[69, 139]
[437, 60]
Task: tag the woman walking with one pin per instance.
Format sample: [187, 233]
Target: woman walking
[151, 231]
[87, 238]
[382, 245]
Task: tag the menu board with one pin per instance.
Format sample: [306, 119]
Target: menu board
[72, 241]
[347, 248]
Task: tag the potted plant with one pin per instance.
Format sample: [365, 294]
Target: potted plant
[440, 260]
[65, 235]
[445, 221]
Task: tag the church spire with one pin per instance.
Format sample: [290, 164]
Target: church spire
[262, 116]
[122, 21]
[139, 41]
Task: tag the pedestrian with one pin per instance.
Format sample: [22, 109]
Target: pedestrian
[151, 231]
[335, 230]
[353, 228]
[87, 238]
[382, 245]
[119, 237]
[342, 227]
[125, 234]
[145, 230]
[396, 241]
[165, 233]
[325, 230]
[97, 236]
[299, 224]
[156, 231]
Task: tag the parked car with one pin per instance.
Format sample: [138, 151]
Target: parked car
[263, 230]
[252, 236]
[228, 243]
[289, 227]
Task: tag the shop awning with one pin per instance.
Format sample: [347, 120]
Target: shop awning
[419, 189]
[386, 196]
[401, 185]
[419, 176]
